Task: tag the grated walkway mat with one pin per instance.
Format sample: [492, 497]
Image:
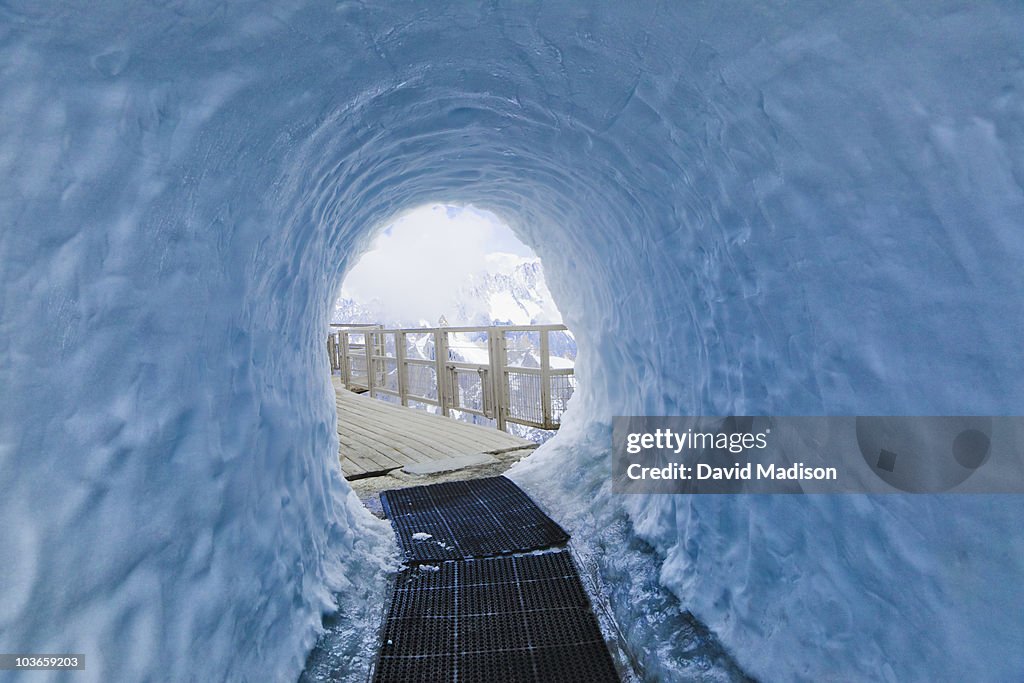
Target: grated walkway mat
[460, 519]
[512, 618]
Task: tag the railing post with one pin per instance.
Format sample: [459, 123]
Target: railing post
[346, 374]
[403, 379]
[441, 365]
[545, 378]
[499, 389]
[368, 343]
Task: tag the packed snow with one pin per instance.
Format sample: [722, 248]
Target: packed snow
[742, 208]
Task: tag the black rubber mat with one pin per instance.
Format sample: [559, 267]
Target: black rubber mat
[511, 618]
[461, 519]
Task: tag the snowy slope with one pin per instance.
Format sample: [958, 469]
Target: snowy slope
[742, 208]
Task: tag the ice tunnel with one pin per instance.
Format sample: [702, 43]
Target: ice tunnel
[742, 208]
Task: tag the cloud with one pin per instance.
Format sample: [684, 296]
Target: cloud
[417, 264]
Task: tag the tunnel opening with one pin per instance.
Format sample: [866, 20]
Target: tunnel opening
[460, 270]
[446, 312]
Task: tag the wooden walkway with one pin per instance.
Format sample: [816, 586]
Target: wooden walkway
[377, 437]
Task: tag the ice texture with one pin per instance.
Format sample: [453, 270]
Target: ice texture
[741, 207]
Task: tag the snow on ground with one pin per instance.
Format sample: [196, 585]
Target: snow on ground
[741, 208]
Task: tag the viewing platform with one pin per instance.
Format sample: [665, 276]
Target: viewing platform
[498, 376]
[376, 437]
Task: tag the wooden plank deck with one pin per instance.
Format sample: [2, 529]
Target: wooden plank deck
[376, 436]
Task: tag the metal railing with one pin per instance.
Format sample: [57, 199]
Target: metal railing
[503, 373]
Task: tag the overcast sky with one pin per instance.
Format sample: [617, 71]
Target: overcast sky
[419, 261]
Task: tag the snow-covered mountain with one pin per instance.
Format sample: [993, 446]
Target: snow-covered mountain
[509, 290]
[516, 297]
[347, 310]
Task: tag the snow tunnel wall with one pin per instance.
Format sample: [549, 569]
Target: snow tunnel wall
[742, 208]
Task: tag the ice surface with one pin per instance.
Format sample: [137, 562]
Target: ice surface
[741, 208]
